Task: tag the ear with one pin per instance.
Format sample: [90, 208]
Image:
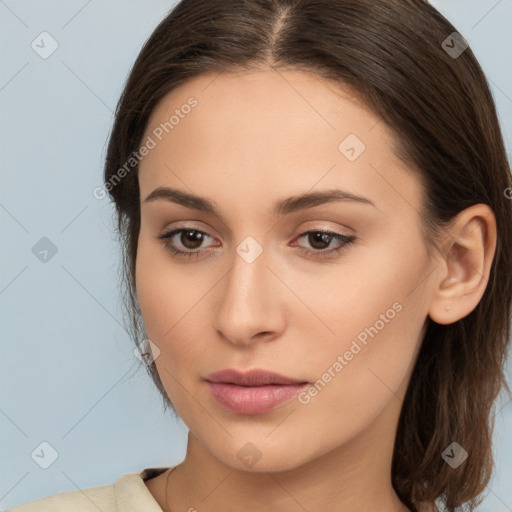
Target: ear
[465, 265]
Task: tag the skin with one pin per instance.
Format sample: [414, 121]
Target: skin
[256, 137]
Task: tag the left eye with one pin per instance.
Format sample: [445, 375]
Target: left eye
[191, 239]
[324, 238]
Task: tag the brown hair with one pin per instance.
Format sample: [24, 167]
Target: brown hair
[441, 110]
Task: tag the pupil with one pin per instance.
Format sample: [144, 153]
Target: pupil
[194, 236]
[323, 238]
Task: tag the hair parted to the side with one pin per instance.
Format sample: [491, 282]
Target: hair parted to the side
[443, 116]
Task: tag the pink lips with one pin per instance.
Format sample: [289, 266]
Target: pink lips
[253, 392]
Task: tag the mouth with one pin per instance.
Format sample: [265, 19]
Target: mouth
[253, 392]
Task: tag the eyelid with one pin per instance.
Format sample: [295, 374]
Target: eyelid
[190, 225]
[343, 242]
[320, 225]
[207, 230]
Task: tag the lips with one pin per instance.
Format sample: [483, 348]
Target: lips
[251, 378]
[253, 392]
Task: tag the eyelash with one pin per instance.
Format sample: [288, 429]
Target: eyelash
[347, 240]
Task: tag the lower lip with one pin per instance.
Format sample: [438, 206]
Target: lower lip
[253, 399]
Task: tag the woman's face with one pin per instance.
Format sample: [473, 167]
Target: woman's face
[258, 287]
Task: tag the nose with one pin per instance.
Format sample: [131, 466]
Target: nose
[249, 306]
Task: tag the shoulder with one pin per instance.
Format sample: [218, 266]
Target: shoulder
[83, 500]
[128, 494]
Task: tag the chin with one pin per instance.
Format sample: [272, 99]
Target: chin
[255, 454]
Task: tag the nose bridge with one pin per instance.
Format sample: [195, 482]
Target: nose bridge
[247, 282]
[247, 305]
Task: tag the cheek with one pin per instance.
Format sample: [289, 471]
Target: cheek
[372, 308]
[378, 325]
[156, 293]
[369, 295]
[169, 298]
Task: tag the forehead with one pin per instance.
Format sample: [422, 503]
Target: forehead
[291, 129]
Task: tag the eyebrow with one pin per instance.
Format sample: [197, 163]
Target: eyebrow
[280, 207]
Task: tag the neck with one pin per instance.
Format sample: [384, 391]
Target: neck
[354, 476]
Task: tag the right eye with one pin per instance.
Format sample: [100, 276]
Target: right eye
[187, 237]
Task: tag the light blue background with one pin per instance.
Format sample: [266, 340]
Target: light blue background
[68, 373]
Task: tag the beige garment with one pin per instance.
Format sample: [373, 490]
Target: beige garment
[128, 494]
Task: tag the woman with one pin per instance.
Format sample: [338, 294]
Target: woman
[313, 202]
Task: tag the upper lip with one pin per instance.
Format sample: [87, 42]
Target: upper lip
[254, 377]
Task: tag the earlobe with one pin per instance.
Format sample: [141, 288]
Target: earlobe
[466, 264]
